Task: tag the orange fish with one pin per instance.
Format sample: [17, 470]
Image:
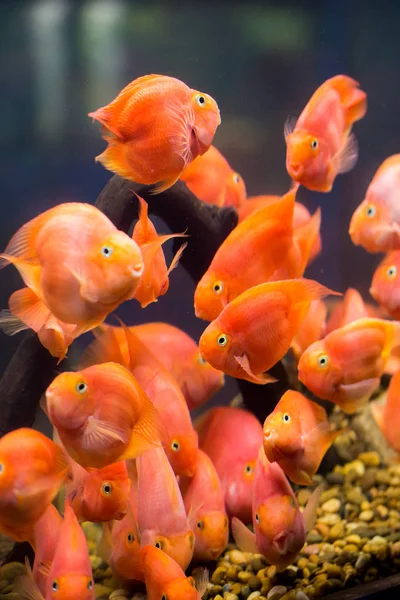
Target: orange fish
[279, 525]
[73, 281]
[68, 574]
[301, 216]
[46, 536]
[231, 437]
[154, 281]
[319, 145]
[165, 579]
[32, 470]
[348, 309]
[161, 512]
[179, 354]
[102, 415]
[387, 415]
[204, 502]
[345, 367]
[120, 543]
[256, 329]
[250, 255]
[120, 344]
[311, 328]
[211, 179]
[385, 287]
[99, 495]
[297, 435]
[155, 127]
[375, 224]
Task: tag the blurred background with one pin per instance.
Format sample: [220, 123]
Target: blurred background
[261, 61]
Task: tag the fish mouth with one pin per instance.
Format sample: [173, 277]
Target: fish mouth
[136, 270]
[296, 169]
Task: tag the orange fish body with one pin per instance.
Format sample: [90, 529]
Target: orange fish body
[164, 578]
[46, 536]
[320, 146]
[156, 116]
[68, 574]
[120, 344]
[385, 286]
[311, 328]
[179, 354]
[99, 495]
[250, 255]
[296, 436]
[161, 512]
[301, 216]
[121, 542]
[375, 224]
[212, 180]
[102, 415]
[387, 415]
[345, 367]
[204, 502]
[72, 279]
[256, 329]
[279, 525]
[231, 438]
[154, 281]
[33, 468]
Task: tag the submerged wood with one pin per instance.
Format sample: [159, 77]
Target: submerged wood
[31, 369]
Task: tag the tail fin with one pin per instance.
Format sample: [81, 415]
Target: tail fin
[352, 98]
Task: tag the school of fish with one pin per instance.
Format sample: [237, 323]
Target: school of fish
[127, 452]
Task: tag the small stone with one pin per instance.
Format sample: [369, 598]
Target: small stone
[335, 478]
[303, 496]
[350, 548]
[302, 562]
[101, 590]
[368, 480]
[254, 583]
[366, 515]
[236, 588]
[314, 538]
[365, 505]
[355, 496]
[353, 539]
[370, 459]
[380, 551]
[330, 518]
[95, 561]
[217, 589]
[348, 572]
[382, 511]
[276, 592]
[323, 528]
[225, 588]
[229, 596]
[266, 585]
[271, 572]
[314, 558]
[219, 575]
[382, 477]
[218, 597]
[254, 595]
[258, 563]
[336, 532]
[371, 575]
[237, 557]
[331, 506]
[245, 592]
[363, 531]
[313, 549]
[232, 573]
[243, 576]
[395, 550]
[329, 494]
[356, 466]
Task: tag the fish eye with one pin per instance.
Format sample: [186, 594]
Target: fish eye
[222, 340]
[54, 586]
[248, 469]
[201, 360]
[81, 387]
[90, 584]
[106, 488]
[200, 99]
[391, 272]
[257, 517]
[131, 538]
[314, 144]
[236, 178]
[107, 251]
[323, 360]
[200, 525]
[370, 211]
[286, 418]
[175, 446]
[218, 287]
[159, 544]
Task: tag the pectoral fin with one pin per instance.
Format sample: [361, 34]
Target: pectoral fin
[261, 379]
[244, 538]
